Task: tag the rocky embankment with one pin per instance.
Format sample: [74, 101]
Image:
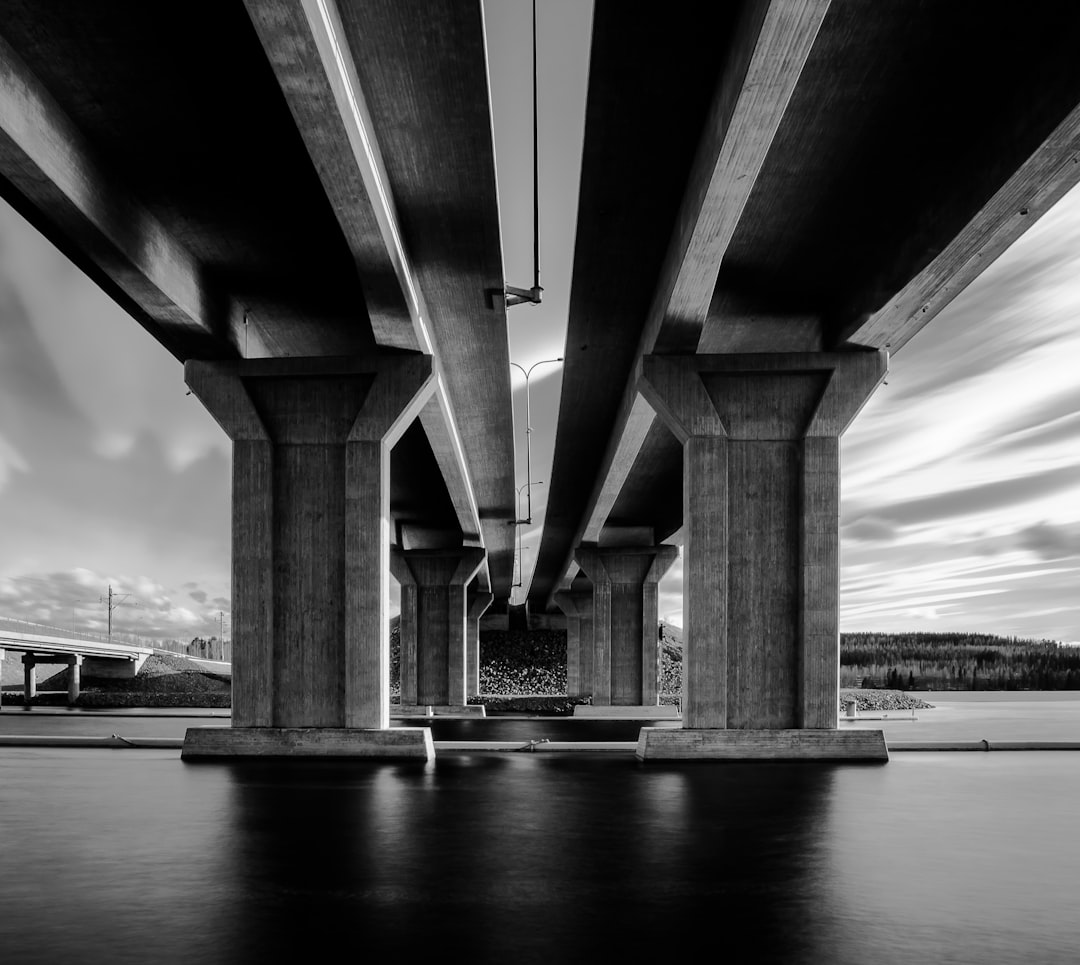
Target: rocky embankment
[883, 700]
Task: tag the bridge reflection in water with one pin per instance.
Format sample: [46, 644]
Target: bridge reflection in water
[485, 857]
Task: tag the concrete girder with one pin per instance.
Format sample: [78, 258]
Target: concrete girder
[86, 206]
[427, 277]
[1042, 180]
[204, 267]
[305, 45]
[771, 43]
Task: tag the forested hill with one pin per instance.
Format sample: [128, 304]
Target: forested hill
[948, 661]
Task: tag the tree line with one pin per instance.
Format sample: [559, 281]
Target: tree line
[956, 661]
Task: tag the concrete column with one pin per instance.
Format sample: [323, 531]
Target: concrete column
[760, 438]
[626, 645]
[433, 623]
[478, 604]
[74, 663]
[29, 678]
[578, 606]
[311, 537]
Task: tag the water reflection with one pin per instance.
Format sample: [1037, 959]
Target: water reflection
[525, 858]
[132, 856]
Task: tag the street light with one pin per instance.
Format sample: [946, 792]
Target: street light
[518, 522]
[528, 433]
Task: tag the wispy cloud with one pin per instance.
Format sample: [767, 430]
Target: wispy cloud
[78, 599]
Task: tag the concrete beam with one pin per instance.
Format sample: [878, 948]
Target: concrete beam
[77, 201]
[440, 427]
[426, 275]
[1031, 191]
[610, 484]
[773, 40]
[305, 44]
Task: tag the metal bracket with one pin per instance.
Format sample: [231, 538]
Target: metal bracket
[523, 296]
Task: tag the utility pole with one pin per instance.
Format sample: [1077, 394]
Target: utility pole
[113, 602]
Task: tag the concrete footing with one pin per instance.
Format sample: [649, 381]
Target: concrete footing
[655, 743]
[432, 710]
[636, 712]
[395, 743]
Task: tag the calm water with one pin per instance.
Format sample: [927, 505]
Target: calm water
[133, 856]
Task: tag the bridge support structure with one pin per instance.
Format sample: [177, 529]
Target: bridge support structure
[577, 605]
[479, 601]
[310, 551]
[434, 631]
[74, 680]
[626, 647]
[761, 499]
[29, 662]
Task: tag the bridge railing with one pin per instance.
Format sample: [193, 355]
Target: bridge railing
[14, 625]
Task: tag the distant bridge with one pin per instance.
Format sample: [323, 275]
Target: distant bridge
[40, 644]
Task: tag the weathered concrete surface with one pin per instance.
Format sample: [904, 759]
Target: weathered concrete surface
[381, 232]
[438, 710]
[477, 605]
[780, 217]
[396, 743]
[74, 663]
[760, 436]
[434, 614]
[310, 541]
[577, 605]
[626, 712]
[655, 743]
[626, 646]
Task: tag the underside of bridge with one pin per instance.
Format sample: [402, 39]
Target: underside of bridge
[297, 199]
[774, 197]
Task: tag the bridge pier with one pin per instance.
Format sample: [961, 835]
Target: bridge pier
[74, 680]
[29, 662]
[434, 614]
[577, 605]
[310, 551]
[761, 497]
[478, 604]
[626, 647]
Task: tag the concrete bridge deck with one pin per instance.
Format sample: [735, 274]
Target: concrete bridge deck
[99, 657]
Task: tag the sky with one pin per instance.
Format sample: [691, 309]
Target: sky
[960, 483]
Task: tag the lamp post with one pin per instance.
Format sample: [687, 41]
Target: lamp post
[528, 434]
[519, 523]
